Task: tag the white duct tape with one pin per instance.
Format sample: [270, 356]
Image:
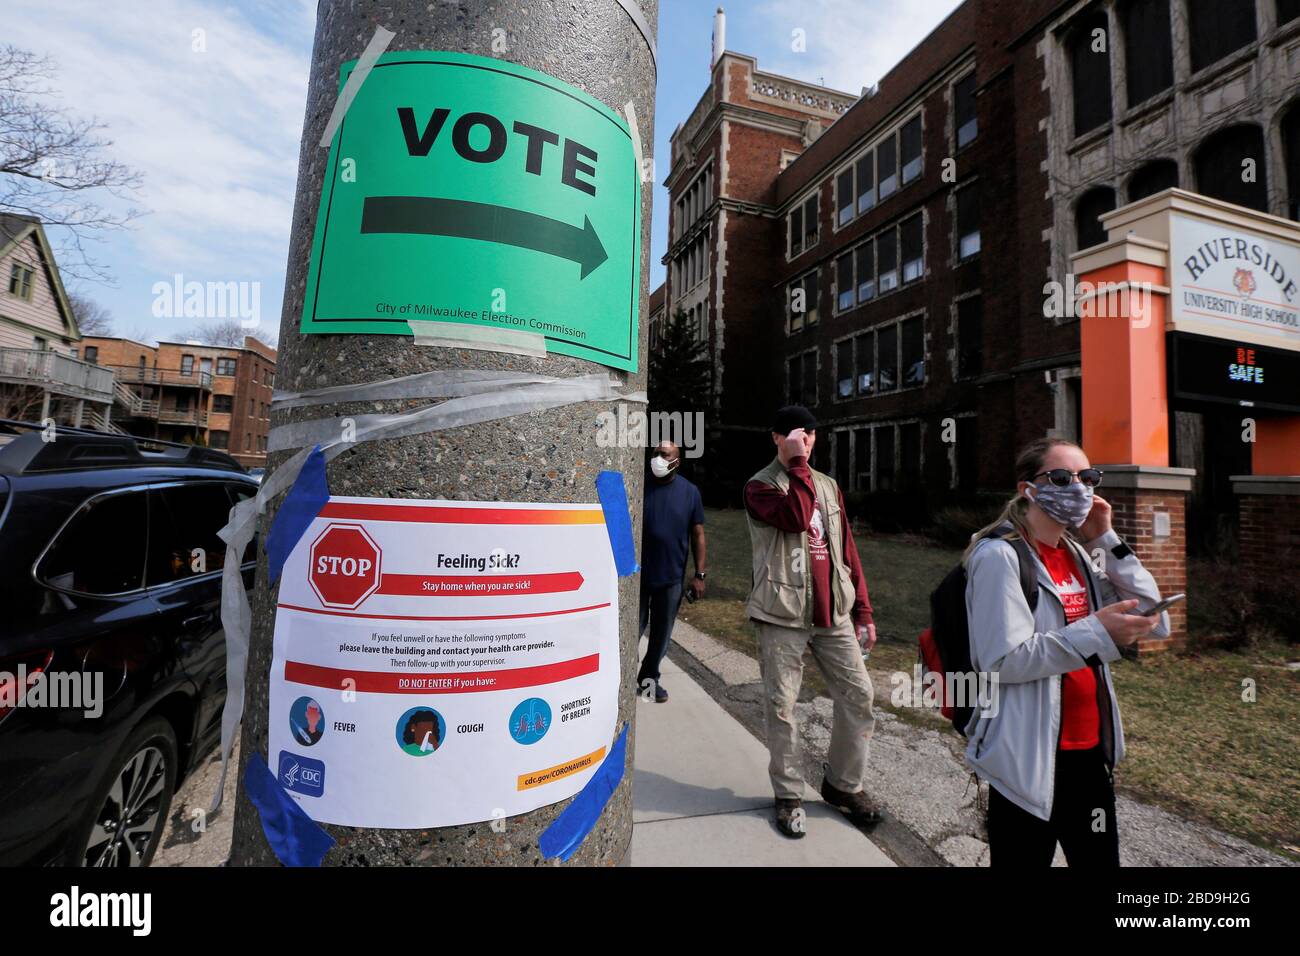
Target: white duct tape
[642, 174]
[365, 63]
[458, 335]
[440, 383]
[466, 410]
[236, 615]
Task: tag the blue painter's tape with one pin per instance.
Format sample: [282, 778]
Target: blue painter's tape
[308, 495]
[618, 520]
[563, 837]
[295, 838]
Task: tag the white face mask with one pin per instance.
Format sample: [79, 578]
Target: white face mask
[660, 468]
[427, 744]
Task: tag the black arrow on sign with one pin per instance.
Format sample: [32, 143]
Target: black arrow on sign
[430, 216]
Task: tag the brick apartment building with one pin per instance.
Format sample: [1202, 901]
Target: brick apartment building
[182, 391]
[882, 257]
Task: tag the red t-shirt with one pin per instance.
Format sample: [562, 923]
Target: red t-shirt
[1080, 719]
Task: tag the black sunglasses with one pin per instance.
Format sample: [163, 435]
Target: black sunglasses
[1061, 477]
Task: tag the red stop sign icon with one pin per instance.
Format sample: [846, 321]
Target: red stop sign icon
[344, 565]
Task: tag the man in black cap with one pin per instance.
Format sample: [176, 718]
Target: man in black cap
[809, 590]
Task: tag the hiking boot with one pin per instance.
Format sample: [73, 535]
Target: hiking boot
[791, 818]
[861, 809]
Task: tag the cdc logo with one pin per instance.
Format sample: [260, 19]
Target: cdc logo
[302, 774]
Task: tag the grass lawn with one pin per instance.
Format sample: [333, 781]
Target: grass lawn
[1194, 745]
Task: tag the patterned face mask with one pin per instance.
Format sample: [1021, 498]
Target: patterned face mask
[1069, 505]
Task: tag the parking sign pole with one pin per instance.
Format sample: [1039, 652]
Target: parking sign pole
[531, 223]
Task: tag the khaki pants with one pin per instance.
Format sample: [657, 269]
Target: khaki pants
[839, 656]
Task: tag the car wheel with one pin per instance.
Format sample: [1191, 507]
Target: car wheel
[129, 813]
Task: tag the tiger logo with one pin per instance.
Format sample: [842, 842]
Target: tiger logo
[1244, 282]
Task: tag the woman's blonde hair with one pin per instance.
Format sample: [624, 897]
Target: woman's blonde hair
[1029, 463]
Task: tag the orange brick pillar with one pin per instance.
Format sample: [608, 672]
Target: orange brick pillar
[1122, 306]
[1268, 499]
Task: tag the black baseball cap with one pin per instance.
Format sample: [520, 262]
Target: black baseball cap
[790, 417]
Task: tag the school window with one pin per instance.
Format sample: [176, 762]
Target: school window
[886, 261]
[866, 269]
[250, 408]
[970, 336]
[809, 379]
[842, 452]
[1148, 49]
[884, 458]
[968, 222]
[1219, 28]
[966, 459]
[844, 369]
[887, 358]
[913, 344]
[912, 242]
[810, 221]
[20, 280]
[1089, 53]
[219, 440]
[187, 364]
[1088, 228]
[261, 443]
[1291, 159]
[844, 292]
[248, 442]
[223, 404]
[963, 110]
[865, 345]
[92, 354]
[844, 196]
[887, 168]
[225, 366]
[866, 181]
[803, 301]
[1154, 177]
[909, 456]
[1220, 161]
[862, 459]
[794, 385]
[796, 231]
[909, 147]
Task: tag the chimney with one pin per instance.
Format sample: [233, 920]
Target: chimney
[719, 36]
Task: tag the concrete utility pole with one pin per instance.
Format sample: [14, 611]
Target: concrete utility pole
[549, 456]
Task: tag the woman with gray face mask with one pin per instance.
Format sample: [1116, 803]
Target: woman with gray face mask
[1048, 743]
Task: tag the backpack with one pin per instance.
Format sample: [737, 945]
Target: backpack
[945, 644]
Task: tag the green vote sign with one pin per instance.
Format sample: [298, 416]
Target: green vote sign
[469, 190]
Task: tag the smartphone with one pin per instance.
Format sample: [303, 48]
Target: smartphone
[690, 596]
[1162, 606]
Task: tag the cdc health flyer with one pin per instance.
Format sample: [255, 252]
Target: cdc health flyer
[443, 662]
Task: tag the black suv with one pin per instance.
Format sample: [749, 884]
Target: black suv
[112, 655]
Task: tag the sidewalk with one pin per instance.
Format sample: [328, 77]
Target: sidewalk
[701, 795]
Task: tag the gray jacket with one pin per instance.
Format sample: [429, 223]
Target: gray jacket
[1015, 749]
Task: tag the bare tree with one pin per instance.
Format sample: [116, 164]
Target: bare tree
[228, 333]
[55, 166]
[92, 318]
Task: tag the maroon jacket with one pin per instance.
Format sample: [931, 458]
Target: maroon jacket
[793, 511]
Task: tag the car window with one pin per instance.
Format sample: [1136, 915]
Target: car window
[184, 521]
[102, 549]
[238, 493]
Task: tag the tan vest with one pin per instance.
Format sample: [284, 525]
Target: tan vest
[782, 581]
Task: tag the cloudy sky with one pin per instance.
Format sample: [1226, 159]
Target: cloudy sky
[215, 131]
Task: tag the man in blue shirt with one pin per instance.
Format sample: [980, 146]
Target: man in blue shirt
[673, 516]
